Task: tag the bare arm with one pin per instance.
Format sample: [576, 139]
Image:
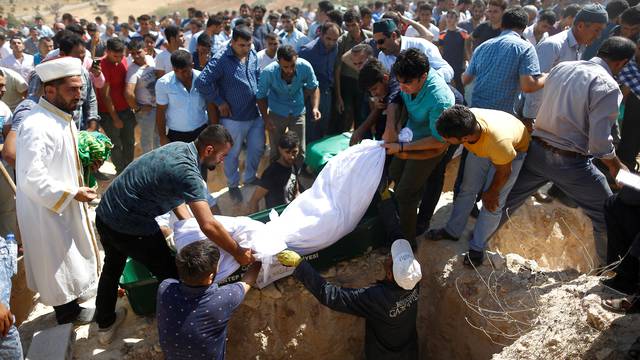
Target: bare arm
[490, 198]
[9, 149]
[105, 93]
[467, 79]
[258, 195]
[249, 278]
[129, 95]
[212, 113]
[529, 83]
[161, 123]
[421, 29]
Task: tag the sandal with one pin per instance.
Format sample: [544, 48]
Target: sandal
[440, 234]
[473, 258]
[623, 305]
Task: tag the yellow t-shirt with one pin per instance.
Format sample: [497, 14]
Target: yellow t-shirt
[503, 136]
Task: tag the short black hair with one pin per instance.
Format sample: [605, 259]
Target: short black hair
[260, 7]
[289, 141]
[197, 261]
[241, 32]
[204, 40]
[135, 44]
[547, 15]
[150, 35]
[410, 64]
[631, 16]
[181, 59]
[617, 48]
[171, 32]
[115, 44]
[426, 7]
[571, 10]
[325, 6]
[456, 122]
[144, 17]
[91, 27]
[75, 28]
[351, 15]
[214, 20]
[214, 135]
[271, 36]
[372, 72]
[335, 16]
[286, 53]
[68, 41]
[515, 19]
[364, 11]
[616, 7]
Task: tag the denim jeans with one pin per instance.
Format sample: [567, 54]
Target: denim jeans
[478, 175]
[10, 346]
[575, 176]
[250, 132]
[316, 130]
[149, 138]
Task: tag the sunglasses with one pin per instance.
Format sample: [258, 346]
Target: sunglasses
[381, 41]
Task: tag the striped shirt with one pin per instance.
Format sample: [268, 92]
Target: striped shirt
[227, 80]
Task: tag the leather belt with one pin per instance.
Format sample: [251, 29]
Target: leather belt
[555, 150]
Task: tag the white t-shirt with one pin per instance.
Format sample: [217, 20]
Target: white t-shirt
[145, 79]
[163, 61]
[436, 61]
[264, 59]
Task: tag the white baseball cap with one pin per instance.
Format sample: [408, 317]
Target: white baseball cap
[406, 269]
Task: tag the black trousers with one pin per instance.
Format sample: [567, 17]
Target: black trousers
[188, 137]
[150, 250]
[630, 133]
[433, 189]
[623, 227]
[68, 312]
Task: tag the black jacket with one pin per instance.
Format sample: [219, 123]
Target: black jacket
[389, 310]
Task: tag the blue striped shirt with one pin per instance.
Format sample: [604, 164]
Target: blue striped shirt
[497, 65]
[226, 79]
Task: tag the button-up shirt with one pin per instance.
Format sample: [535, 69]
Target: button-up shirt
[630, 77]
[345, 43]
[295, 39]
[436, 61]
[556, 49]
[530, 36]
[286, 99]
[426, 107]
[23, 67]
[227, 79]
[186, 109]
[497, 65]
[579, 107]
[323, 61]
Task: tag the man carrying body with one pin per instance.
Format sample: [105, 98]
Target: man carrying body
[156, 183]
[497, 143]
[561, 150]
[61, 252]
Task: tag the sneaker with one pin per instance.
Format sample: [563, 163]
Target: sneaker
[236, 194]
[473, 258]
[440, 234]
[105, 336]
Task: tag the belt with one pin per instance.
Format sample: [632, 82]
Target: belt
[555, 150]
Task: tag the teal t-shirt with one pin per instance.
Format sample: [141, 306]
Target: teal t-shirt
[425, 109]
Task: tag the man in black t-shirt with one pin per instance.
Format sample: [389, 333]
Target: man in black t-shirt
[279, 183]
[492, 27]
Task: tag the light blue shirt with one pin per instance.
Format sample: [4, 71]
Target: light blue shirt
[552, 51]
[186, 110]
[296, 39]
[286, 99]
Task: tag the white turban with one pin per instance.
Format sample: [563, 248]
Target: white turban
[59, 68]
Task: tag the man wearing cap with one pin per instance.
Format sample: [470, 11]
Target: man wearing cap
[59, 242]
[389, 41]
[390, 306]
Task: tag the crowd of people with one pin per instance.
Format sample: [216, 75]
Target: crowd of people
[534, 92]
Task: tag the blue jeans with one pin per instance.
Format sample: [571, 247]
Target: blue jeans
[478, 175]
[10, 346]
[149, 138]
[575, 176]
[250, 132]
[316, 130]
